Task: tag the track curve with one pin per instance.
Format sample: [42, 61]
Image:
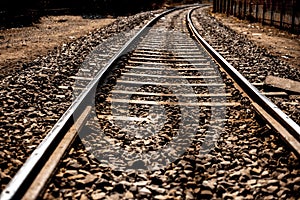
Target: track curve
[167, 122]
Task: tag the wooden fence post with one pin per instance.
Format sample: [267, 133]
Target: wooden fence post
[256, 11]
[282, 13]
[214, 6]
[293, 17]
[240, 9]
[245, 8]
[264, 12]
[228, 8]
[234, 11]
[272, 12]
[250, 11]
[220, 6]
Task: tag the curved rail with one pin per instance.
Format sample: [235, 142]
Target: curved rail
[22, 180]
[26, 174]
[292, 135]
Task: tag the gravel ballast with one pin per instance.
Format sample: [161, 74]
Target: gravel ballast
[248, 160]
[33, 98]
[252, 61]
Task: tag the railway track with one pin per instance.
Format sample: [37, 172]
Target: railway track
[165, 119]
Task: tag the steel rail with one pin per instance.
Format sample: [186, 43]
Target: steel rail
[26, 174]
[293, 140]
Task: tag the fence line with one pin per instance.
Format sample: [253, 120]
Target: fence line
[284, 14]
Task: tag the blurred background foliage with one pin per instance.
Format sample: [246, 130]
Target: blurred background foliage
[22, 13]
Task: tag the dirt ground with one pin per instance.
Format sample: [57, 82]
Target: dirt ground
[18, 45]
[276, 41]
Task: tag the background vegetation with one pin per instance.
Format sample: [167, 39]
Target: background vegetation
[16, 13]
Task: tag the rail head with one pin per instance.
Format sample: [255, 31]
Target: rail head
[285, 121]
